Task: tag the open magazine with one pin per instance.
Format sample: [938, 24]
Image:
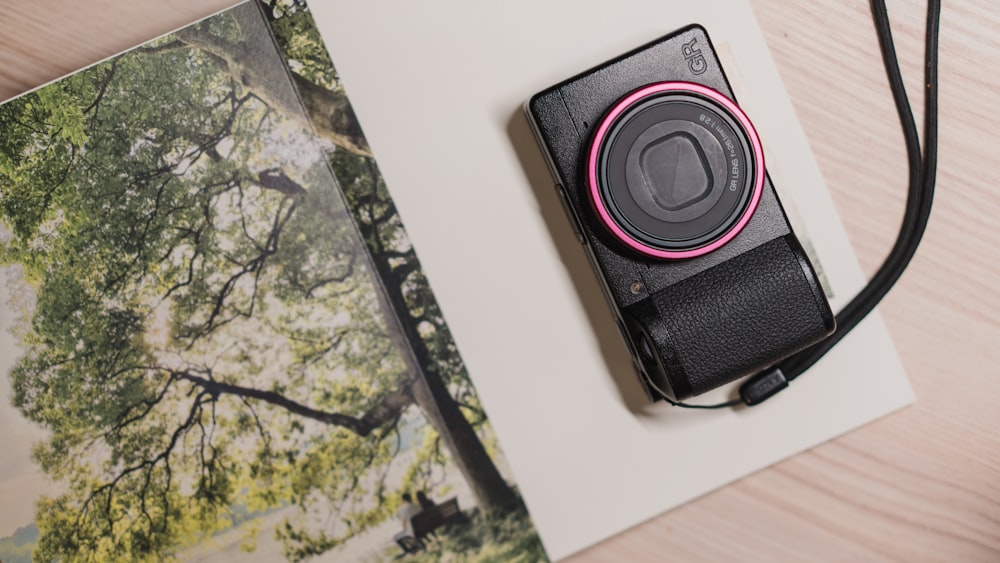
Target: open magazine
[218, 343]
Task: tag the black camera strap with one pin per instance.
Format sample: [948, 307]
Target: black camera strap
[922, 173]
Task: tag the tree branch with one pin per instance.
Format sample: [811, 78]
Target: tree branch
[276, 179]
[146, 465]
[404, 270]
[310, 290]
[169, 46]
[386, 409]
[255, 267]
[103, 89]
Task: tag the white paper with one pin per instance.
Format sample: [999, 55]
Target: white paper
[439, 88]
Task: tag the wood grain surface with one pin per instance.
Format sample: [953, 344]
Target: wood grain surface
[922, 484]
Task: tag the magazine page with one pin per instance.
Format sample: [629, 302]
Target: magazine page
[216, 338]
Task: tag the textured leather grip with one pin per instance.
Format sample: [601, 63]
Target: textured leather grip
[735, 319]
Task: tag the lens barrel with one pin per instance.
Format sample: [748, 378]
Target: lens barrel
[675, 170]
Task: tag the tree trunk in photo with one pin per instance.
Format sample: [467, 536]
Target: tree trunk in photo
[431, 394]
[492, 492]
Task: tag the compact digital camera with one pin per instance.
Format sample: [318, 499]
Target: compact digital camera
[663, 178]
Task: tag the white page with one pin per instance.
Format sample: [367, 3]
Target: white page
[438, 88]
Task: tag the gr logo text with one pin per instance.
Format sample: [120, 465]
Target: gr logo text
[695, 60]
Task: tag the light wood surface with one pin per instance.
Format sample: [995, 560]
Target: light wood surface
[922, 484]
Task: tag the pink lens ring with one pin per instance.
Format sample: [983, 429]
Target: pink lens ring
[594, 153]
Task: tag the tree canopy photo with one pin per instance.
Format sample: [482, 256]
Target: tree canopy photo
[220, 313]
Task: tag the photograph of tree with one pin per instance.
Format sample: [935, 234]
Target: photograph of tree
[224, 347]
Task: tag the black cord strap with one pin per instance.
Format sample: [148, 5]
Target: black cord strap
[922, 173]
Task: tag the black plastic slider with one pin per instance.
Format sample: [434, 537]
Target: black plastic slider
[763, 386]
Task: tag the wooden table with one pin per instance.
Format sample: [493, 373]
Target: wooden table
[920, 484]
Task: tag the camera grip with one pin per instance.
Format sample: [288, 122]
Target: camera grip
[732, 320]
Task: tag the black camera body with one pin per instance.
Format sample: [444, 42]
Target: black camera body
[663, 178]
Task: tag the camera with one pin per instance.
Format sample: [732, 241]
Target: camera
[663, 178]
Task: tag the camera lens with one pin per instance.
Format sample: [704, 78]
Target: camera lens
[675, 170]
